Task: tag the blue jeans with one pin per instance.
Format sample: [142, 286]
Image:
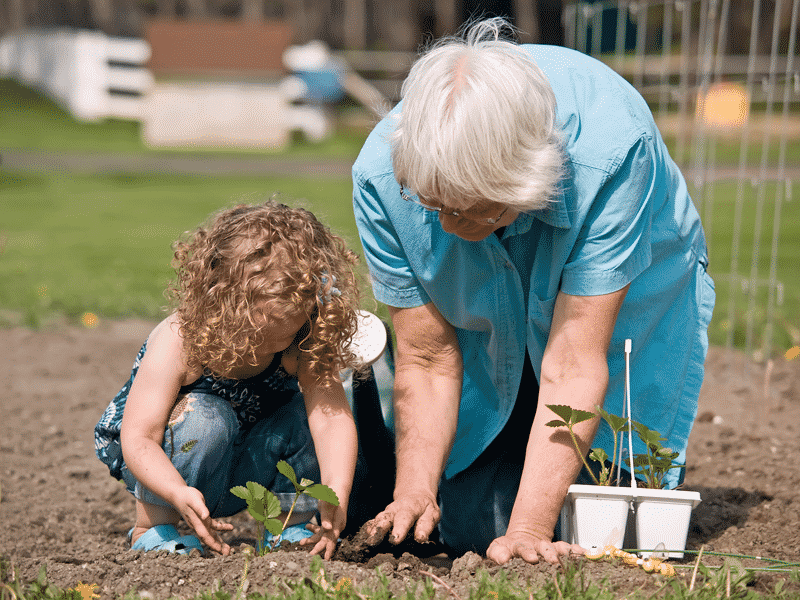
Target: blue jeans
[213, 453]
[476, 503]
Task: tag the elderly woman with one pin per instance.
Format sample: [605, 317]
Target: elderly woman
[521, 217]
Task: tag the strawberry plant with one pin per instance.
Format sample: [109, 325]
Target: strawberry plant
[265, 507]
[571, 417]
[657, 461]
[651, 467]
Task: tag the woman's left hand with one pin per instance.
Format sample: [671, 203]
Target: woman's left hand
[326, 535]
[529, 548]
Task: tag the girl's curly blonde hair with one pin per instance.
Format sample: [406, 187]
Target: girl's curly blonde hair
[252, 256]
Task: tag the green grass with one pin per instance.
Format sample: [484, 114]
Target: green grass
[725, 150]
[730, 580]
[101, 243]
[717, 207]
[29, 120]
[73, 244]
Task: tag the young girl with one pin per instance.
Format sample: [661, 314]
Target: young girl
[242, 374]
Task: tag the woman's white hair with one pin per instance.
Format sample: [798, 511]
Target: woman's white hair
[478, 123]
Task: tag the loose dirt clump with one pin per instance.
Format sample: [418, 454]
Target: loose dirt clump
[60, 509]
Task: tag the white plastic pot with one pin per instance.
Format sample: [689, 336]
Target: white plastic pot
[662, 516]
[596, 515]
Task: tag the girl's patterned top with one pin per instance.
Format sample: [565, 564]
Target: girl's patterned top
[273, 384]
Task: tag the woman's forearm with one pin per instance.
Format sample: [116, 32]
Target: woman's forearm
[427, 395]
[426, 415]
[551, 461]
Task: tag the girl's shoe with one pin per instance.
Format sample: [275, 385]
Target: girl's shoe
[292, 534]
[166, 537]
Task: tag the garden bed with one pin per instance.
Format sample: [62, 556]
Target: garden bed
[60, 508]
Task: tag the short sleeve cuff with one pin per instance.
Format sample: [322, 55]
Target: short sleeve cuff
[409, 298]
[588, 282]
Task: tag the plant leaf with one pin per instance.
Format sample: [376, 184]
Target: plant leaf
[287, 471]
[556, 423]
[571, 415]
[256, 489]
[274, 526]
[304, 483]
[647, 435]
[272, 506]
[241, 492]
[579, 416]
[256, 511]
[323, 492]
[666, 453]
[599, 455]
[616, 422]
[562, 410]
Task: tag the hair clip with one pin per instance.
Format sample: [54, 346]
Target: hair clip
[331, 292]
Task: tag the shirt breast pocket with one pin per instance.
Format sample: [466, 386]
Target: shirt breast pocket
[541, 312]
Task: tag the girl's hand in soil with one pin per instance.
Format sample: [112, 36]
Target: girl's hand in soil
[191, 504]
[400, 515]
[326, 535]
[529, 548]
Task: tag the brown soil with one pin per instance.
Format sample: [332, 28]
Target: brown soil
[61, 509]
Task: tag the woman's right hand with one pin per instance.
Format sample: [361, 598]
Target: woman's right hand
[416, 509]
[427, 395]
[191, 504]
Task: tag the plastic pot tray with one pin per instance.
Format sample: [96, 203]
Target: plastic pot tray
[595, 515]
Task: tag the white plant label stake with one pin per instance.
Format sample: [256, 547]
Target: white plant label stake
[626, 413]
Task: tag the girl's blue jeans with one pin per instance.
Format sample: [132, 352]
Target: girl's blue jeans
[213, 453]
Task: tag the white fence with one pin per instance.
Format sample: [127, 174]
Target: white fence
[92, 75]
[678, 54]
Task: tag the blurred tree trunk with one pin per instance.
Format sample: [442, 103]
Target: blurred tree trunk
[118, 17]
[195, 9]
[355, 24]
[445, 17]
[527, 20]
[14, 14]
[252, 10]
[103, 14]
[394, 25]
[19, 12]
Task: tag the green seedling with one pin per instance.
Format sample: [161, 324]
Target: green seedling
[265, 507]
[617, 425]
[654, 465]
[569, 418]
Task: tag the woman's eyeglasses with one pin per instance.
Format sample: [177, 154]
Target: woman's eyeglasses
[448, 211]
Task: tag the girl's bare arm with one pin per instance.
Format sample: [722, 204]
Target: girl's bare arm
[155, 389]
[335, 440]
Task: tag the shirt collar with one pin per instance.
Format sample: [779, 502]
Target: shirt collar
[555, 215]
